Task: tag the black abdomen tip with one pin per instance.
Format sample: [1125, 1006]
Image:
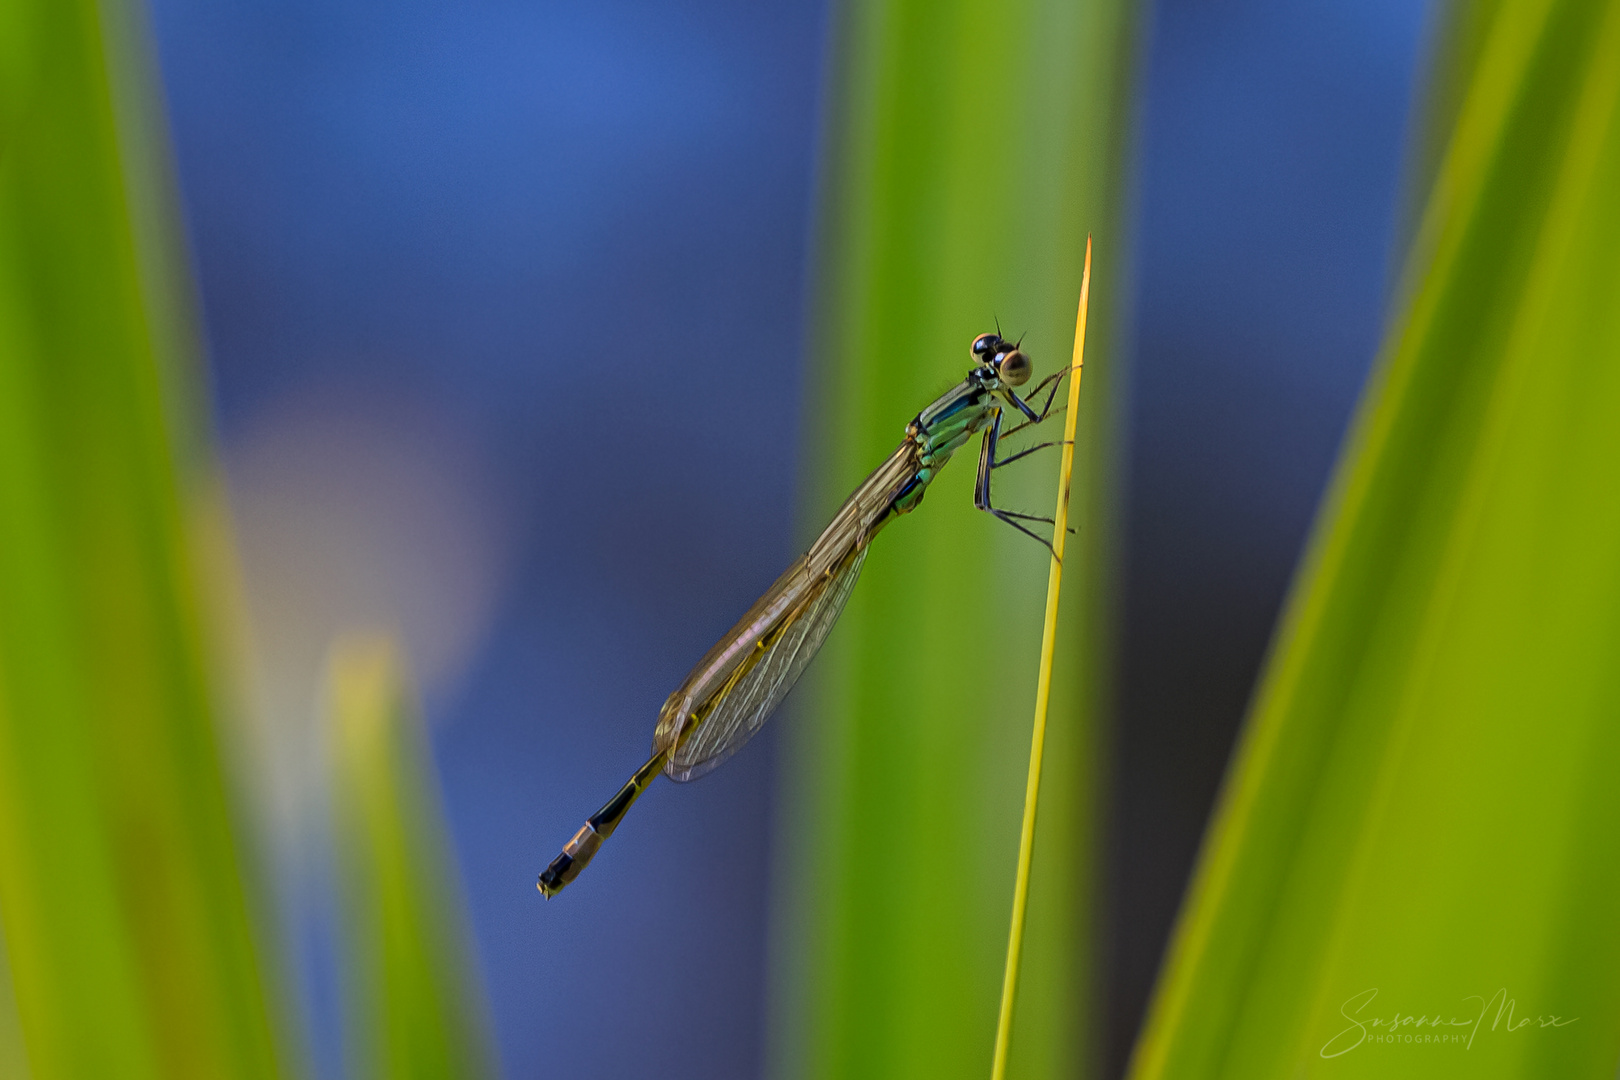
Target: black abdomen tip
[555, 876]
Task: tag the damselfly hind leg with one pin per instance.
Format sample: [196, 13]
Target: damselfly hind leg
[981, 490]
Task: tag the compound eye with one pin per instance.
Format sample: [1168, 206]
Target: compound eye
[1015, 368]
[985, 344]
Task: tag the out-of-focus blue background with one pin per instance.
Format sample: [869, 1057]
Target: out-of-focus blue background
[505, 305]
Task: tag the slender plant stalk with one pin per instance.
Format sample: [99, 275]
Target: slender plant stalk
[1043, 691]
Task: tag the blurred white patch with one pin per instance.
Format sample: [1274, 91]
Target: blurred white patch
[352, 514]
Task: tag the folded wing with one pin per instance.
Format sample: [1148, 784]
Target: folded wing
[765, 679]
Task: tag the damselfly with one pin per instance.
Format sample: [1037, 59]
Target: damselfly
[738, 683]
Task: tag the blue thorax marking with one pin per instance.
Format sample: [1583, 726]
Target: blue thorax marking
[969, 395]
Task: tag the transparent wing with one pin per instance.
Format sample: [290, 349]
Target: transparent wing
[758, 692]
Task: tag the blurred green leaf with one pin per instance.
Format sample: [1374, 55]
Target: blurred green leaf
[1424, 802]
[129, 941]
[971, 148]
[416, 1010]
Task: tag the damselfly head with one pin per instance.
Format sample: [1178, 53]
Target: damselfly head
[1002, 359]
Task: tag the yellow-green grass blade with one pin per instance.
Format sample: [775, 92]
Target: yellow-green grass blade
[128, 936]
[415, 1008]
[971, 146]
[1424, 802]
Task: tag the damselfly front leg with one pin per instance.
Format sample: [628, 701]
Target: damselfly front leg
[1050, 384]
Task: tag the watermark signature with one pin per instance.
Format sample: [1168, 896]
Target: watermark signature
[1437, 1030]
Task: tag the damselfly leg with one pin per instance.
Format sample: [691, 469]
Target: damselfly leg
[1025, 453]
[981, 490]
[1050, 384]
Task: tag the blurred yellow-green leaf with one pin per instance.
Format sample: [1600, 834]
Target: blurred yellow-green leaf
[415, 1009]
[971, 148]
[1421, 818]
[128, 935]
